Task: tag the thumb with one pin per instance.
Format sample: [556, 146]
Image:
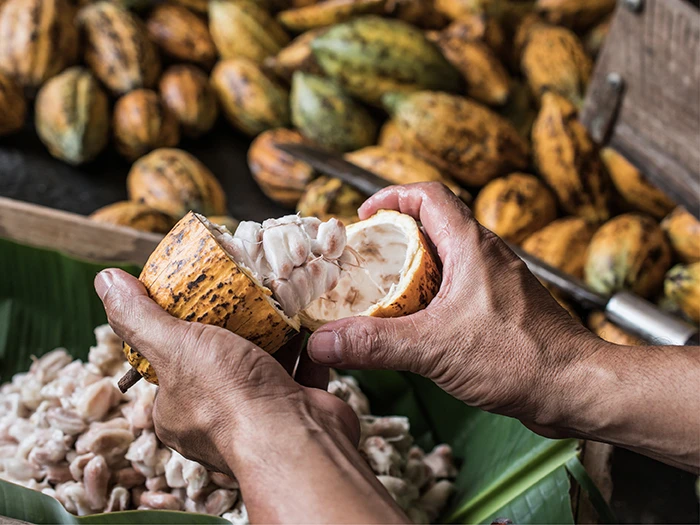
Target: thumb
[367, 342]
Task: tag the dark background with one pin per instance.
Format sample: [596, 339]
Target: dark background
[645, 491]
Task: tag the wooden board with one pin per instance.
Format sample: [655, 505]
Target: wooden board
[656, 52]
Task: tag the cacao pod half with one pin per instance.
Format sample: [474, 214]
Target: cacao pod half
[683, 231]
[118, 50]
[174, 182]
[569, 161]
[250, 101]
[637, 192]
[134, 215]
[515, 206]
[38, 40]
[327, 116]
[371, 56]
[460, 137]
[629, 252]
[72, 116]
[562, 244]
[682, 286]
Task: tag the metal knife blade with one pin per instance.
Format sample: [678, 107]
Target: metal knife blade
[630, 312]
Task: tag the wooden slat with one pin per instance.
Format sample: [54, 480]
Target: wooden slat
[657, 54]
[74, 234]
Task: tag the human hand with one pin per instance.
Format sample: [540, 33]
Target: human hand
[492, 337]
[220, 395]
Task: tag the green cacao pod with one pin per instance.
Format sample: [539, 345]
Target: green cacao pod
[118, 49]
[569, 161]
[72, 116]
[243, 29]
[38, 39]
[327, 13]
[462, 138]
[629, 252]
[682, 286]
[371, 56]
[250, 100]
[323, 113]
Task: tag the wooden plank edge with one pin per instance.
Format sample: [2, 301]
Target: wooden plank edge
[73, 234]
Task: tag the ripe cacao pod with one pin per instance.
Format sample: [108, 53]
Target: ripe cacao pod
[460, 137]
[250, 100]
[569, 161]
[243, 29]
[328, 13]
[198, 6]
[390, 137]
[629, 252]
[327, 116]
[142, 123]
[420, 13]
[554, 60]
[595, 38]
[282, 177]
[562, 244]
[38, 40]
[174, 182]
[13, 106]
[575, 14]
[519, 109]
[682, 286]
[326, 198]
[610, 332]
[478, 28]
[371, 56]
[456, 9]
[118, 49]
[186, 91]
[72, 116]
[297, 56]
[134, 215]
[515, 206]
[181, 34]
[487, 79]
[638, 193]
[683, 232]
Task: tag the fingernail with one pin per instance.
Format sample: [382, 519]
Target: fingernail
[103, 282]
[325, 348]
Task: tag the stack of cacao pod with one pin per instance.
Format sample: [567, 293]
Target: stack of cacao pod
[482, 95]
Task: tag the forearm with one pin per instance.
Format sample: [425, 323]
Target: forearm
[642, 398]
[299, 473]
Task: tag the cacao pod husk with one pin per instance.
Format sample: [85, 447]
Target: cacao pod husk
[324, 114]
[328, 13]
[328, 198]
[142, 123]
[72, 116]
[569, 161]
[575, 14]
[554, 60]
[515, 206]
[134, 215]
[186, 91]
[13, 106]
[683, 232]
[282, 177]
[181, 34]
[610, 332]
[629, 252]
[243, 29]
[638, 193]
[250, 100]
[371, 56]
[562, 244]
[38, 40]
[297, 56]
[118, 49]
[682, 286]
[228, 222]
[460, 137]
[175, 182]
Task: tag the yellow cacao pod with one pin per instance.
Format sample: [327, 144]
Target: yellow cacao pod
[683, 232]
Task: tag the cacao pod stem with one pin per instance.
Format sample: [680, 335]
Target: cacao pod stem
[128, 380]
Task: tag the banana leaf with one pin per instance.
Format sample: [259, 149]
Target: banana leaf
[47, 300]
